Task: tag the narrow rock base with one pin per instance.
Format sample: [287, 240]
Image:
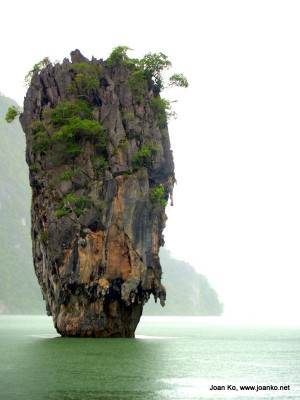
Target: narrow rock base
[115, 320]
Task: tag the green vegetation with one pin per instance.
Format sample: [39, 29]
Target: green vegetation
[129, 116]
[100, 165]
[61, 212]
[162, 110]
[76, 128]
[41, 139]
[69, 174]
[123, 143]
[164, 132]
[79, 68]
[143, 157]
[150, 70]
[102, 206]
[43, 237]
[75, 122]
[146, 73]
[35, 167]
[70, 123]
[37, 126]
[82, 203]
[36, 68]
[12, 113]
[178, 80]
[41, 142]
[158, 196]
[61, 114]
[138, 85]
[76, 204]
[119, 56]
[19, 290]
[154, 64]
[87, 76]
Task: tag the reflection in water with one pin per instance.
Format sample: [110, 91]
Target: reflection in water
[74, 368]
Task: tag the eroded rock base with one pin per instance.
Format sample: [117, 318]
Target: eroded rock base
[98, 320]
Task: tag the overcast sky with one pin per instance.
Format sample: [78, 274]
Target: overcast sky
[236, 141]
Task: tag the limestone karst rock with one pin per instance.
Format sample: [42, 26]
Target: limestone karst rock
[101, 172]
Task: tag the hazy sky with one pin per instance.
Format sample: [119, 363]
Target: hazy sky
[236, 141]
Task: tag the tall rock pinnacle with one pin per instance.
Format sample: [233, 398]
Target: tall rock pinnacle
[101, 173]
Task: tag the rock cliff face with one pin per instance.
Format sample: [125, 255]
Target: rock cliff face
[101, 172]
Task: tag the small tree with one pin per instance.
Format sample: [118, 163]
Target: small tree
[152, 64]
[118, 56]
[178, 80]
[36, 68]
[155, 64]
[12, 113]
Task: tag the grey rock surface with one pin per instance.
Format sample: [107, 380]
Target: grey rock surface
[96, 231]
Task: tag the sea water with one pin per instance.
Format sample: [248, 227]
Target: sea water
[171, 358]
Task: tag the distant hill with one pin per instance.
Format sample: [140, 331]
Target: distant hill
[188, 293]
[19, 291]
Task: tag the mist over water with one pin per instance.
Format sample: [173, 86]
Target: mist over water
[171, 358]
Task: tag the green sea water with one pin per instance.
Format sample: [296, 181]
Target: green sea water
[171, 358]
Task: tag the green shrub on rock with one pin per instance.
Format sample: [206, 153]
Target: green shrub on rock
[118, 56]
[162, 109]
[41, 142]
[61, 114]
[76, 204]
[62, 212]
[87, 76]
[143, 157]
[138, 85]
[158, 196]
[74, 122]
